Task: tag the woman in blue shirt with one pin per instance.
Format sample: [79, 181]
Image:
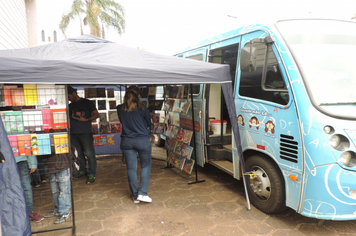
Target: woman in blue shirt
[135, 139]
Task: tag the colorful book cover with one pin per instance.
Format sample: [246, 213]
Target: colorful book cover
[155, 118]
[7, 94]
[158, 128]
[165, 106]
[47, 94]
[188, 166]
[32, 120]
[112, 104]
[34, 145]
[102, 117]
[181, 162]
[176, 105]
[187, 151]
[110, 139]
[115, 127]
[60, 143]
[13, 121]
[184, 106]
[2, 96]
[95, 128]
[97, 140]
[24, 142]
[110, 93]
[104, 140]
[180, 135]
[100, 93]
[18, 97]
[92, 93]
[104, 128]
[44, 144]
[172, 145]
[178, 149]
[61, 95]
[59, 117]
[176, 160]
[170, 105]
[30, 92]
[175, 118]
[174, 132]
[113, 116]
[101, 104]
[168, 131]
[187, 136]
[47, 119]
[14, 145]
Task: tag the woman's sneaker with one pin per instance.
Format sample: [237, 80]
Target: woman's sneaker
[144, 198]
[135, 200]
[36, 217]
[62, 218]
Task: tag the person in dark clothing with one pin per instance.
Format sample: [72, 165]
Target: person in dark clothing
[82, 112]
[135, 139]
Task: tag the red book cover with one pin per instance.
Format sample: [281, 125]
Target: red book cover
[24, 142]
[180, 135]
[14, 145]
[59, 117]
[47, 119]
[7, 94]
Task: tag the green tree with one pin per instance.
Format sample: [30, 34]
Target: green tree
[98, 14]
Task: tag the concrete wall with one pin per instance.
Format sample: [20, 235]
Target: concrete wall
[13, 24]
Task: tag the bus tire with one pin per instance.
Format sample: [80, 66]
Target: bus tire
[266, 188]
[158, 141]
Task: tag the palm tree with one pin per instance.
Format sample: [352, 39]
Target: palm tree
[98, 14]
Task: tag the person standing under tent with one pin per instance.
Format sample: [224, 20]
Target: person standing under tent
[27, 165]
[135, 139]
[82, 112]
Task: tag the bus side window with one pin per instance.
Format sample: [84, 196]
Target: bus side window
[271, 88]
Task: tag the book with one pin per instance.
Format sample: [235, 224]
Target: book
[115, 127]
[2, 96]
[95, 128]
[176, 105]
[104, 140]
[47, 119]
[44, 144]
[30, 92]
[102, 117]
[152, 91]
[100, 93]
[92, 93]
[174, 132]
[47, 94]
[172, 145]
[59, 116]
[187, 152]
[188, 166]
[176, 160]
[110, 139]
[110, 93]
[112, 104]
[7, 94]
[184, 106]
[187, 136]
[113, 116]
[24, 143]
[18, 97]
[158, 128]
[175, 118]
[97, 140]
[101, 104]
[60, 143]
[181, 160]
[155, 118]
[170, 105]
[14, 145]
[34, 145]
[180, 135]
[104, 128]
[61, 94]
[32, 120]
[178, 149]
[13, 121]
[168, 131]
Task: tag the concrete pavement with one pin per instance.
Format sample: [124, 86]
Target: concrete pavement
[214, 207]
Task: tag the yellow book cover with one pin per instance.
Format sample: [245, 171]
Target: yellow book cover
[34, 144]
[30, 91]
[60, 143]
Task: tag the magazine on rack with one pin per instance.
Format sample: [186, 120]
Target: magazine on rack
[101, 104]
[180, 135]
[188, 166]
[187, 136]
[158, 128]
[187, 152]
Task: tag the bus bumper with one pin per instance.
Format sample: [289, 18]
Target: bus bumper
[330, 193]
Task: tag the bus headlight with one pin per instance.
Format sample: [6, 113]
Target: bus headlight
[329, 129]
[348, 159]
[339, 142]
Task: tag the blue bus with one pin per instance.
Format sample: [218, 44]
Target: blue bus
[294, 90]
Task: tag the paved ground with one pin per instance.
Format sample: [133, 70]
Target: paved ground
[214, 207]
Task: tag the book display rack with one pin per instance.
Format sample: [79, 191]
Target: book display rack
[35, 120]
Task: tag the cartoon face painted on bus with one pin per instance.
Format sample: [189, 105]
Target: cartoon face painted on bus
[270, 126]
[240, 120]
[254, 122]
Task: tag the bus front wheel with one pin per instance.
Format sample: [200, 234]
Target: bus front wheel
[265, 185]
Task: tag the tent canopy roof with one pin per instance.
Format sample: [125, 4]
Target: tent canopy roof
[90, 60]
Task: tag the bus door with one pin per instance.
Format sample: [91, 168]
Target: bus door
[219, 135]
[199, 111]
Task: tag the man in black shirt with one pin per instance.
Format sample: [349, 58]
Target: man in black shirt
[82, 112]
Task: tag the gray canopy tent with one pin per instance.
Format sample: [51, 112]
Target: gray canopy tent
[90, 60]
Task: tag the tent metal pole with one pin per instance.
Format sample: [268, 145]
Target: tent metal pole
[195, 150]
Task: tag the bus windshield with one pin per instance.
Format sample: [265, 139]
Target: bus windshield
[325, 50]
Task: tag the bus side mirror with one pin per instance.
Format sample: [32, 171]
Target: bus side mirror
[248, 59]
